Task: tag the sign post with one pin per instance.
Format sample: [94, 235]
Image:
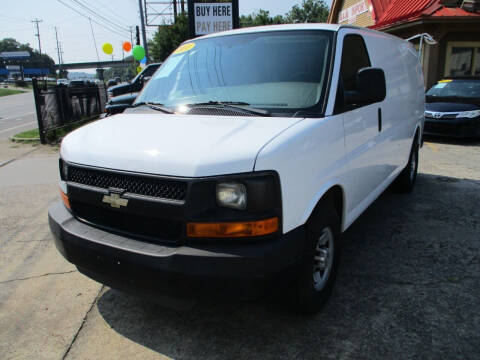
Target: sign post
[212, 16]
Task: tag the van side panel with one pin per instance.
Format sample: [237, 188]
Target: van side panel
[403, 108]
[309, 158]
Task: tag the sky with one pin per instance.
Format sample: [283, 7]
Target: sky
[74, 31]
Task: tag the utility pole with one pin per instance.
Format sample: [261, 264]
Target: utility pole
[58, 52]
[183, 6]
[174, 10]
[144, 33]
[38, 34]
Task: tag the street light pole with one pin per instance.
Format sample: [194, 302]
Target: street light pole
[144, 33]
[58, 52]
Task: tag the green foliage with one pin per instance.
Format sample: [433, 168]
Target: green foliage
[262, 17]
[35, 61]
[310, 11]
[5, 92]
[168, 38]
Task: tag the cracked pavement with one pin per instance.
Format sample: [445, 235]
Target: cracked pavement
[408, 287]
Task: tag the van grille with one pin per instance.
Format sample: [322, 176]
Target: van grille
[141, 226]
[134, 184]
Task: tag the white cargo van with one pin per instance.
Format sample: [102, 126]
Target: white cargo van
[242, 161]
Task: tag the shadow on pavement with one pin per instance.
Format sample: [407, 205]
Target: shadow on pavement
[452, 141]
[408, 287]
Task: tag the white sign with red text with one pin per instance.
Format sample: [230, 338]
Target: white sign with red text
[350, 14]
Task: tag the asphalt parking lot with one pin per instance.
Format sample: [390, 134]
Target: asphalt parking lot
[409, 285]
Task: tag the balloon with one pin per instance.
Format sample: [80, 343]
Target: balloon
[107, 48]
[139, 69]
[127, 46]
[143, 61]
[138, 52]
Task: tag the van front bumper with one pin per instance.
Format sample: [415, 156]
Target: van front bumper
[243, 270]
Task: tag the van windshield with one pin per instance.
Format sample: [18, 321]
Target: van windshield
[281, 71]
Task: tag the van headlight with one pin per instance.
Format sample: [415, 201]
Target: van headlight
[469, 114]
[232, 195]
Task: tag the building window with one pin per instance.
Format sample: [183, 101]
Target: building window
[463, 59]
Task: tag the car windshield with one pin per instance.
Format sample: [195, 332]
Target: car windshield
[282, 71]
[456, 88]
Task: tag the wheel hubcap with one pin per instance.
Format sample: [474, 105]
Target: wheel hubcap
[323, 259]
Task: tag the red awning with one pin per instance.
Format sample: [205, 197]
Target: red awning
[401, 10]
[454, 12]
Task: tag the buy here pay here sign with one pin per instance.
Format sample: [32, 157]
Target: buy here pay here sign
[213, 17]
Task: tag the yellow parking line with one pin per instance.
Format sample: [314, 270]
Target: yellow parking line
[431, 146]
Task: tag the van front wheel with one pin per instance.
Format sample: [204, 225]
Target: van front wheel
[320, 261]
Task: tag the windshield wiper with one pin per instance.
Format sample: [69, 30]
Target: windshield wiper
[232, 104]
[154, 106]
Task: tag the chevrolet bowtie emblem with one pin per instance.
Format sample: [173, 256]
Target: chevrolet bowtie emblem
[115, 200]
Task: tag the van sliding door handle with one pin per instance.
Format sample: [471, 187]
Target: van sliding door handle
[379, 119]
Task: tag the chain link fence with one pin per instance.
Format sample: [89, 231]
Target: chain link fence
[59, 106]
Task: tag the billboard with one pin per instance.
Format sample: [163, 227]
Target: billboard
[15, 55]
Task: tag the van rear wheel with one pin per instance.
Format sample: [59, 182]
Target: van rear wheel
[406, 180]
[320, 260]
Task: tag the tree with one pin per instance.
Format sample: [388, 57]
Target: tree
[262, 17]
[168, 38]
[310, 11]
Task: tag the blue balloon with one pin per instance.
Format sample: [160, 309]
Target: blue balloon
[144, 60]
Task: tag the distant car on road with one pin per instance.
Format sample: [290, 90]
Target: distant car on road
[111, 82]
[136, 84]
[77, 83]
[62, 82]
[117, 104]
[453, 108]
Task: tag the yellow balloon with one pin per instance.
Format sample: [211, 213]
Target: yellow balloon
[139, 69]
[107, 48]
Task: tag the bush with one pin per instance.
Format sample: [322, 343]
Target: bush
[20, 83]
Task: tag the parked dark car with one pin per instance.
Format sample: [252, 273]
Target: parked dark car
[136, 84]
[453, 108]
[117, 104]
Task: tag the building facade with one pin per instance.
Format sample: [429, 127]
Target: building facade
[454, 25]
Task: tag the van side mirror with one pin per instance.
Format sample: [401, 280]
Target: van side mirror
[371, 88]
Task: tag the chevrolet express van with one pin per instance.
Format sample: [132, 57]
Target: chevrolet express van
[241, 162]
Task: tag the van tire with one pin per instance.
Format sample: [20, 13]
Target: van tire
[310, 294]
[406, 180]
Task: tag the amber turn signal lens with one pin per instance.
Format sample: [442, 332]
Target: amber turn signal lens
[65, 200]
[233, 229]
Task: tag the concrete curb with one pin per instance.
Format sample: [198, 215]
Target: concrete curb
[14, 138]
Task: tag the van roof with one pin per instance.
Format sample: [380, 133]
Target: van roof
[308, 26]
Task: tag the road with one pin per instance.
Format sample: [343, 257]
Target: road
[17, 113]
[408, 286]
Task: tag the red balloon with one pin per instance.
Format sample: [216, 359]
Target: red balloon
[127, 46]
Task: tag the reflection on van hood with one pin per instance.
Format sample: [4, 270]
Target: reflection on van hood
[175, 145]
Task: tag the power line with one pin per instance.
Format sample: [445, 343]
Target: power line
[125, 20]
[36, 21]
[94, 41]
[120, 28]
[96, 22]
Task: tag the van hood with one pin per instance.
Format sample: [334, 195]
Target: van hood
[174, 145]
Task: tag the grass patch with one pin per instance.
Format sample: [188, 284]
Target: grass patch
[5, 92]
[29, 134]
